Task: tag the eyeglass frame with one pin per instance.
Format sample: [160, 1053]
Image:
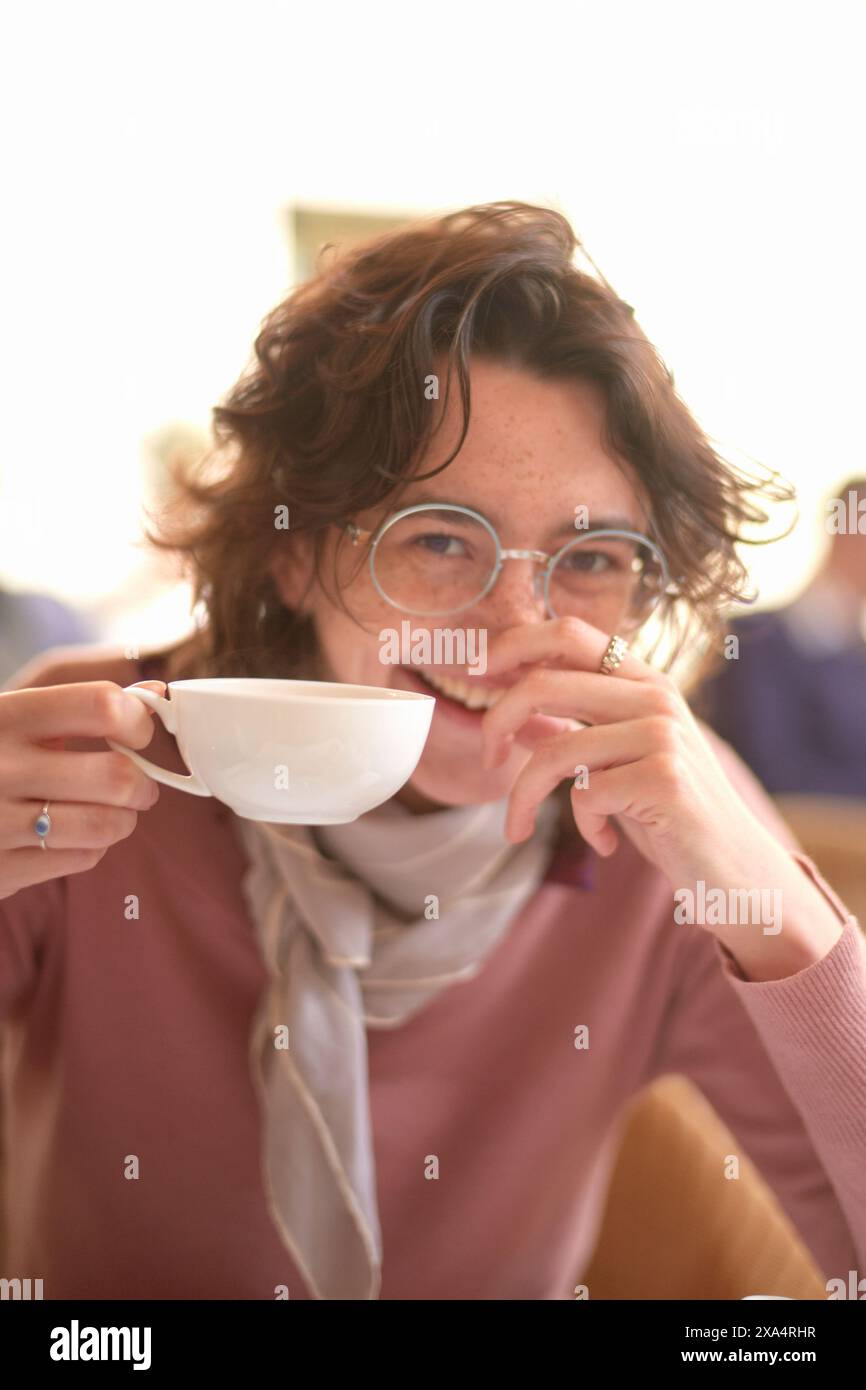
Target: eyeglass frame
[539, 556]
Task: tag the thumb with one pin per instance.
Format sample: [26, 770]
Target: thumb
[158, 688]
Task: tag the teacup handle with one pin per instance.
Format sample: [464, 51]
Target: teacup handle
[164, 708]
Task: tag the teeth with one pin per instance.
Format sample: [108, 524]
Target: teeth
[465, 691]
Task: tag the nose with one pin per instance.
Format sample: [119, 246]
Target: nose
[516, 597]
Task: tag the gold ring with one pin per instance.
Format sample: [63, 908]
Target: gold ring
[616, 650]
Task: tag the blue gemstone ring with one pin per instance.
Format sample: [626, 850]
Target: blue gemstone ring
[42, 824]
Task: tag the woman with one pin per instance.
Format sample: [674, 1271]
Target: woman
[388, 1059]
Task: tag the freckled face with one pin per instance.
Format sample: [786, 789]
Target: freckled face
[533, 453]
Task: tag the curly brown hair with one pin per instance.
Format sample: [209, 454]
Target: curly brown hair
[330, 417]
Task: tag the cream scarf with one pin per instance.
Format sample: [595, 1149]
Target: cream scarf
[404, 906]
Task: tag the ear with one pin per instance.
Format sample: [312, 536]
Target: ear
[291, 568]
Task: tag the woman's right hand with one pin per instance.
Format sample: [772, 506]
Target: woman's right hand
[94, 798]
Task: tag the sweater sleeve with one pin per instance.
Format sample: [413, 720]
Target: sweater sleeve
[783, 1063]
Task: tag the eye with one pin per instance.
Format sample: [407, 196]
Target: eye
[590, 561]
[439, 544]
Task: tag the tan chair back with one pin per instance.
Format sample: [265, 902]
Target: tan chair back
[832, 831]
[676, 1227]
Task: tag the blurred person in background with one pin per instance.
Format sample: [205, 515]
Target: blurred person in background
[152, 596]
[791, 699]
[31, 623]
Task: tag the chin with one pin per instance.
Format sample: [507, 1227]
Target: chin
[443, 789]
[451, 775]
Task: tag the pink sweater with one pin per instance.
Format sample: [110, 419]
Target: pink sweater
[130, 1037]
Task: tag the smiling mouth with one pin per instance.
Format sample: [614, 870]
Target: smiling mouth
[464, 691]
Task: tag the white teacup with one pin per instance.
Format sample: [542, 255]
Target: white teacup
[297, 752]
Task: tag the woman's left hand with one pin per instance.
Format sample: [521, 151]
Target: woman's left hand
[647, 764]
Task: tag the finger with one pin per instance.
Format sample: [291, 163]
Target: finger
[86, 709]
[603, 746]
[582, 695]
[107, 778]
[595, 829]
[560, 639]
[74, 825]
[23, 867]
[538, 728]
[158, 688]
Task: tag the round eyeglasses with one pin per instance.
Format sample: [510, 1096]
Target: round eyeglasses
[438, 559]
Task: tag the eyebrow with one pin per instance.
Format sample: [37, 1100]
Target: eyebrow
[568, 528]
